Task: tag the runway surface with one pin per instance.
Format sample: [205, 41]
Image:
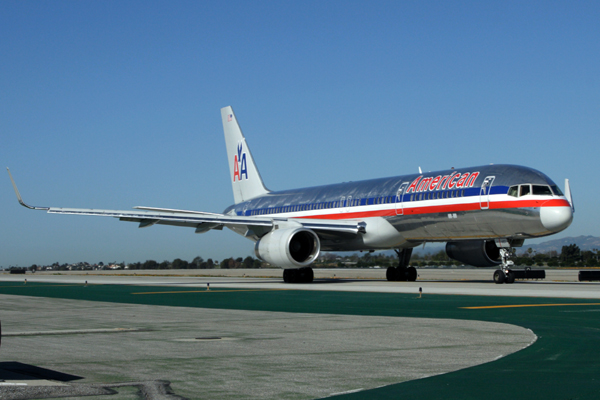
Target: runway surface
[168, 337]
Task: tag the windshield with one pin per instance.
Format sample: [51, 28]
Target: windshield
[542, 190]
[539, 190]
[557, 190]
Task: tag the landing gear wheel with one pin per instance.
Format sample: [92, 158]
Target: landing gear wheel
[305, 275]
[298, 275]
[395, 274]
[390, 274]
[289, 275]
[510, 277]
[411, 274]
[401, 274]
[499, 276]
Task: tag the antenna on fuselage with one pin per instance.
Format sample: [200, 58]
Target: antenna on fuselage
[420, 172]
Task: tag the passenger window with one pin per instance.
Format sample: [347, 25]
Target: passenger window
[513, 191]
[525, 190]
[542, 190]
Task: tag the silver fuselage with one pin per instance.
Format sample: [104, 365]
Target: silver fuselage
[404, 211]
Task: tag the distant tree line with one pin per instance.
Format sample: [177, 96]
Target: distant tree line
[199, 263]
[178, 263]
[570, 256]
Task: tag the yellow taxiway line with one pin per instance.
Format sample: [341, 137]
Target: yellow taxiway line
[531, 305]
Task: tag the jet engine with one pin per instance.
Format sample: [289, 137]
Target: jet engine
[288, 248]
[478, 253]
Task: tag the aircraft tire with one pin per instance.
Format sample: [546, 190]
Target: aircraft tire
[499, 276]
[311, 275]
[291, 275]
[510, 277]
[401, 274]
[286, 275]
[411, 274]
[305, 275]
[391, 274]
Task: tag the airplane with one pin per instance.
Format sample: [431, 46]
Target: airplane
[481, 213]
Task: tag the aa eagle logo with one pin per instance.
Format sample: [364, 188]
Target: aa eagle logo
[240, 170]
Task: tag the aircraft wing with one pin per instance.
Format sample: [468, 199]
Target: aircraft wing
[201, 221]
[186, 218]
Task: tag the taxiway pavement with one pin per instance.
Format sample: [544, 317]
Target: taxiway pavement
[160, 352]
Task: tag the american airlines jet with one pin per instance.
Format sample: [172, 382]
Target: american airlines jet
[480, 212]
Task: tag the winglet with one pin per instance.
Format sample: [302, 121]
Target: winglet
[19, 198]
[568, 194]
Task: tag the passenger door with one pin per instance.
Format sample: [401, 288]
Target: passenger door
[400, 198]
[484, 193]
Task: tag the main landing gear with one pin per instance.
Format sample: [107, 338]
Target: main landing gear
[402, 272]
[505, 274]
[298, 275]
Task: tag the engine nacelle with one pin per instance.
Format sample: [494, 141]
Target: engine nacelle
[289, 248]
[478, 253]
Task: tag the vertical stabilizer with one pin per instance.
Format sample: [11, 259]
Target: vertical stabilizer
[245, 178]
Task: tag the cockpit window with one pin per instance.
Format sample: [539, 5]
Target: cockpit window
[556, 190]
[542, 190]
[539, 190]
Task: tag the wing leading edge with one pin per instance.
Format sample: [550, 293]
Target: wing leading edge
[201, 221]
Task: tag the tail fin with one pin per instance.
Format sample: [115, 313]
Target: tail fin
[245, 178]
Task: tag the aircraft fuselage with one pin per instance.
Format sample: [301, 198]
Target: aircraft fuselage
[484, 202]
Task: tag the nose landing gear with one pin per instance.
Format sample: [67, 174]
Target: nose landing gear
[505, 274]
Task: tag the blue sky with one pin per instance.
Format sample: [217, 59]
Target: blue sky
[116, 104]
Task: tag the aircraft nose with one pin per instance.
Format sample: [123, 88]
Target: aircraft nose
[556, 219]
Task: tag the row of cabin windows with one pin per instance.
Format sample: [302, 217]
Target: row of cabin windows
[356, 202]
[539, 190]
[448, 194]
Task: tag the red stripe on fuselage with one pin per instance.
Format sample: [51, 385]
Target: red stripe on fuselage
[444, 208]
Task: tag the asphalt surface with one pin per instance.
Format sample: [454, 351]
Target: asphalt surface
[227, 354]
[255, 337]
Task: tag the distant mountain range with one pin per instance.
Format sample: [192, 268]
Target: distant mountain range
[584, 243]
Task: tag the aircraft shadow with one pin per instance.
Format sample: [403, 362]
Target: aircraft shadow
[11, 369]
